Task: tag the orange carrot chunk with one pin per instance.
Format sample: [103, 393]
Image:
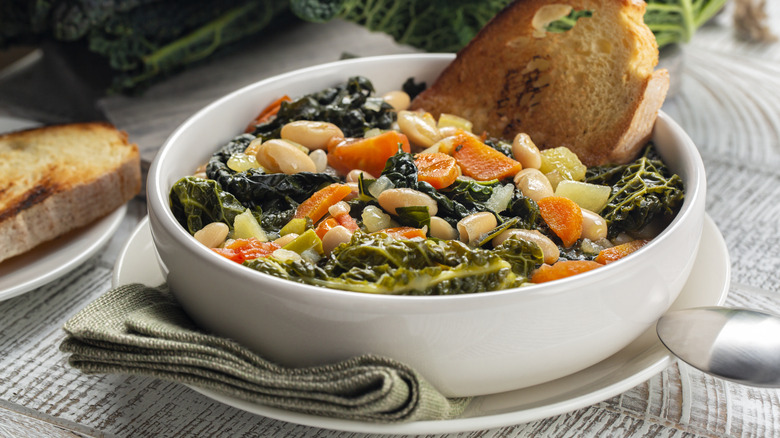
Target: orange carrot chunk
[403, 232]
[562, 269]
[318, 204]
[480, 161]
[366, 154]
[617, 252]
[271, 110]
[241, 250]
[347, 221]
[563, 216]
[437, 169]
[325, 226]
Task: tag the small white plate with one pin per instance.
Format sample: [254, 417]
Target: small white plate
[55, 258]
[645, 357]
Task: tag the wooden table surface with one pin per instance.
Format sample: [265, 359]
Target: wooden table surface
[727, 98]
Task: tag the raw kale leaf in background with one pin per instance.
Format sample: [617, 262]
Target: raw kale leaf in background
[447, 25]
[142, 41]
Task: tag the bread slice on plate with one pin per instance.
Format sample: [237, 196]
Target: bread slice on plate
[58, 178]
[592, 88]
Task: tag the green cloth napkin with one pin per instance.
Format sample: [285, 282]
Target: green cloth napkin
[136, 329]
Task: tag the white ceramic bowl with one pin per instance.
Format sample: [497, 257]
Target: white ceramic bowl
[464, 345]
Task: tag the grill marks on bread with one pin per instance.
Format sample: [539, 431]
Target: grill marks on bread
[58, 178]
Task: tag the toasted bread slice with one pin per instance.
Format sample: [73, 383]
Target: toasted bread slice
[58, 178]
[591, 88]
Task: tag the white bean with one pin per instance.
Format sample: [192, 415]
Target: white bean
[354, 175]
[338, 209]
[533, 184]
[525, 151]
[550, 250]
[285, 255]
[335, 237]
[398, 99]
[441, 229]
[212, 235]
[473, 226]
[312, 134]
[391, 199]
[594, 227]
[420, 128]
[280, 156]
[320, 159]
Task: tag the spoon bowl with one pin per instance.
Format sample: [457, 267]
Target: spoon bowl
[739, 345]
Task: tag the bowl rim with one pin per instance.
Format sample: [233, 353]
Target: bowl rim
[157, 204]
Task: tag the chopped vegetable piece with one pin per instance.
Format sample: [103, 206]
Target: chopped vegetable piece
[246, 226]
[562, 269]
[437, 169]
[403, 232]
[347, 221]
[565, 162]
[451, 120]
[563, 216]
[268, 112]
[609, 255]
[366, 154]
[318, 204]
[241, 250]
[480, 161]
[325, 226]
[306, 241]
[296, 226]
[591, 197]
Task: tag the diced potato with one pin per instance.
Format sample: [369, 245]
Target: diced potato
[246, 226]
[564, 161]
[591, 197]
[454, 121]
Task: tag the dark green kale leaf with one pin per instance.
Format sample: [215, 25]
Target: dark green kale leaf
[351, 106]
[276, 194]
[197, 202]
[401, 170]
[642, 191]
[525, 210]
[413, 88]
[501, 146]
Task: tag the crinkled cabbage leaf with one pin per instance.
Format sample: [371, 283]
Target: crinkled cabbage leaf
[376, 263]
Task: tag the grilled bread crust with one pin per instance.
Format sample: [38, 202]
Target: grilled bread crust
[592, 88]
[58, 178]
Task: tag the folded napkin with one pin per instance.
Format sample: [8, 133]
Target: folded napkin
[136, 329]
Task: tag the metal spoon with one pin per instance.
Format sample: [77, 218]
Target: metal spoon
[739, 345]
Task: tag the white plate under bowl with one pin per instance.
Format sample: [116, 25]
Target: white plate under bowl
[642, 359]
[55, 258]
